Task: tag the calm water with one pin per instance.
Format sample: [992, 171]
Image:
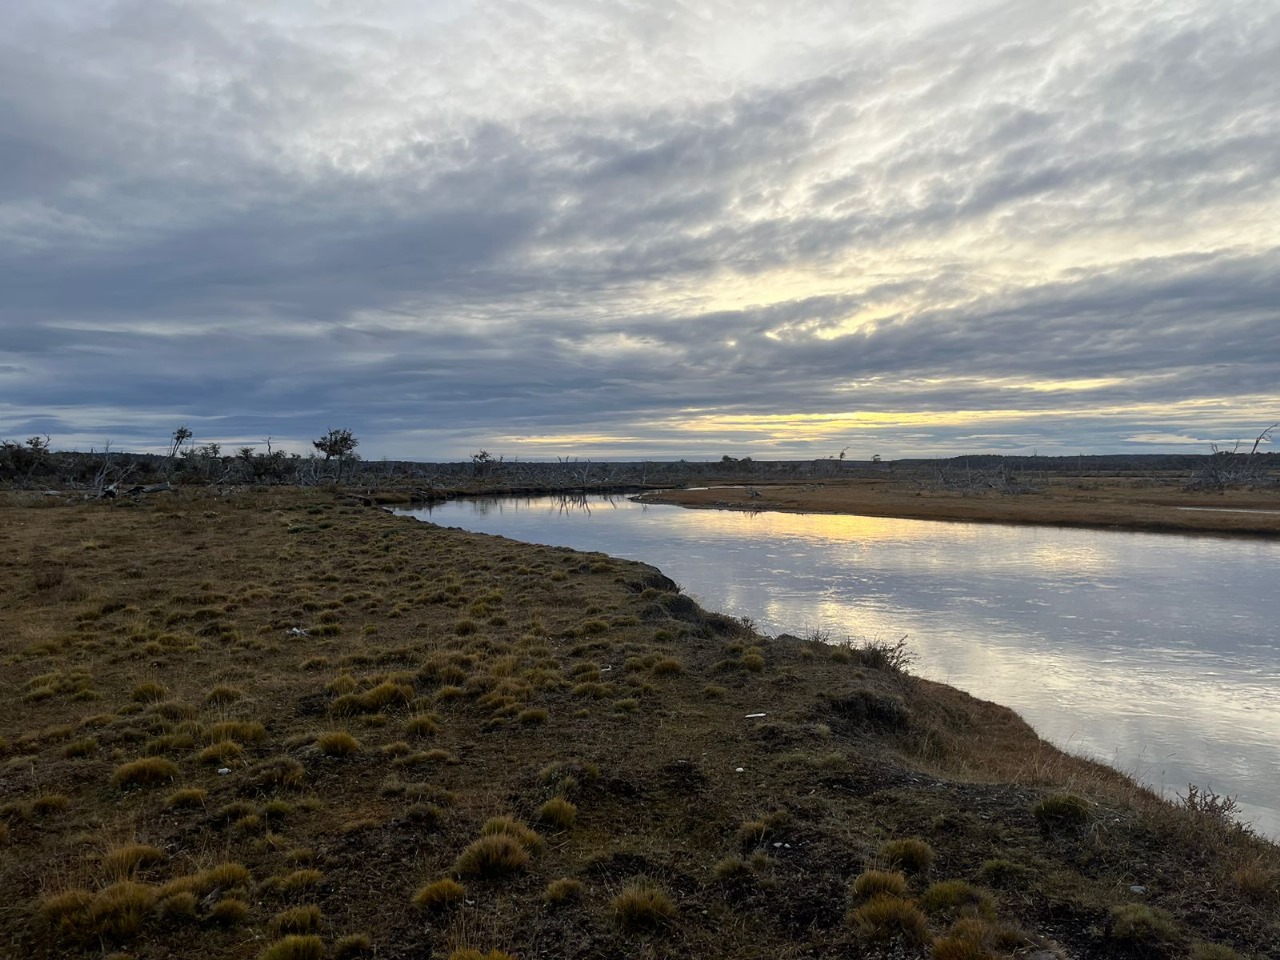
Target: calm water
[1159, 654]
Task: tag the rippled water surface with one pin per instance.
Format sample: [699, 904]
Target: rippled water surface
[1159, 654]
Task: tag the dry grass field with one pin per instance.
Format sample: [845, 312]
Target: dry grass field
[280, 725]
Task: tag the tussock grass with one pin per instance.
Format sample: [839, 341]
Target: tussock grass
[911, 855]
[1062, 810]
[492, 855]
[875, 883]
[294, 947]
[124, 862]
[304, 919]
[228, 911]
[145, 772]
[439, 894]
[642, 905]
[886, 918]
[337, 743]
[243, 731]
[562, 891]
[558, 813]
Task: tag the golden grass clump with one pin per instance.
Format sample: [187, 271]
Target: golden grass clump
[245, 731]
[222, 695]
[492, 855]
[224, 751]
[874, 883]
[144, 772]
[421, 725]
[124, 861]
[668, 666]
[642, 905]
[558, 812]
[532, 715]
[337, 743]
[1142, 927]
[957, 898]
[562, 891]
[294, 947]
[304, 919]
[467, 953]
[440, 894]
[148, 693]
[1062, 810]
[509, 826]
[228, 911]
[48, 803]
[885, 917]
[911, 855]
[352, 945]
[120, 910]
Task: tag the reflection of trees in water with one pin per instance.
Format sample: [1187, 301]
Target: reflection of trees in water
[568, 503]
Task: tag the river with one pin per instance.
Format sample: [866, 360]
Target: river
[1156, 653]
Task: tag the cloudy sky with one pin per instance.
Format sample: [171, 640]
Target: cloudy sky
[641, 229]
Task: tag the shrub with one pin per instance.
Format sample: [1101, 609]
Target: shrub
[886, 917]
[124, 861]
[296, 920]
[440, 894]
[641, 905]
[874, 883]
[561, 891]
[337, 743]
[144, 772]
[492, 856]
[1062, 810]
[558, 812]
[913, 856]
[294, 947]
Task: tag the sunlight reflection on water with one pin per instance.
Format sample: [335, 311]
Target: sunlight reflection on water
[1156, 653]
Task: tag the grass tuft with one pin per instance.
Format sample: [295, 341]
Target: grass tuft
[494, 855]
[562, 891]
[1062, 810]
[911, 855]
[558, 812]
[642, 905]
[144, 772]
[875, 883]
[885, 917]
[294, 947]
[439, 895]
[337, 743]
[124, 862]
[305, 919]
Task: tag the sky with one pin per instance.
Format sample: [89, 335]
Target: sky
[634, 229]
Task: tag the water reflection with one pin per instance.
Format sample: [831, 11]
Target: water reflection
[1155, 653]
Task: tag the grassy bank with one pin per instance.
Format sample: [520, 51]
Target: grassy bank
[1151, 504]
[279, 725]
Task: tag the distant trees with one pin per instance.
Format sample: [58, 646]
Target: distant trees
[337, 443]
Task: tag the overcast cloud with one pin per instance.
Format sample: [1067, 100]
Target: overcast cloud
[654, 229]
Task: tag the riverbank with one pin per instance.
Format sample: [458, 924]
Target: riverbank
[1115, 503]
[381, 693]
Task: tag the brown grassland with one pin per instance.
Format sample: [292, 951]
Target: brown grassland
[279, 724]
[1119, 502]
